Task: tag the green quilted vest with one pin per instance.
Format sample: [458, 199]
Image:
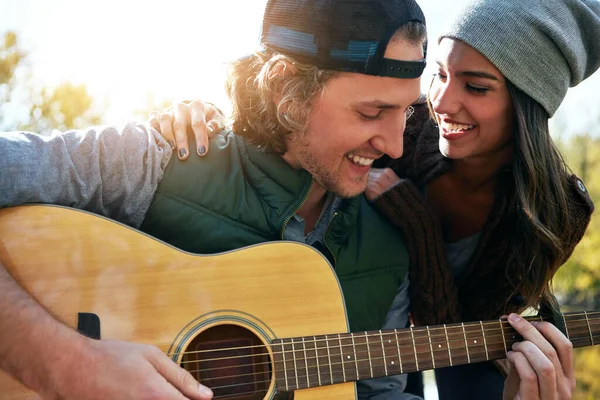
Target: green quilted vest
[238, 195]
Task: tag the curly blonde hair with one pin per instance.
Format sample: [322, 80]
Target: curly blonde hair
[272, 93]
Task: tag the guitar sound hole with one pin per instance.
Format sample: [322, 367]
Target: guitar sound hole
[232, 361]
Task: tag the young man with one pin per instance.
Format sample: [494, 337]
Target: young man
[327, 94]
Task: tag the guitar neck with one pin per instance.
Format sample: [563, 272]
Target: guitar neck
[312, 361]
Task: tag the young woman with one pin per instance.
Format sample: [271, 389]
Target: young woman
[488, 208]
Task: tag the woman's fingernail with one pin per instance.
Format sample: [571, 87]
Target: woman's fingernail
[514, 317]
[182, 153]
[202, 150]
[172, 144]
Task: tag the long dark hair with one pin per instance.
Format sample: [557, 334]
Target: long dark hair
[540, 189]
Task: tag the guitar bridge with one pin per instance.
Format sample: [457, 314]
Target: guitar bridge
[88, 324]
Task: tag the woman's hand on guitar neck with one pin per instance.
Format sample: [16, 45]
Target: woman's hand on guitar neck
[108, 369]
[541, 365]
[176, 124]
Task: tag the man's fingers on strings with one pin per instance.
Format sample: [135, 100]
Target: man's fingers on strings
[183, 383]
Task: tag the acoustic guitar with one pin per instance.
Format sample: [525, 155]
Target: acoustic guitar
[263, 322]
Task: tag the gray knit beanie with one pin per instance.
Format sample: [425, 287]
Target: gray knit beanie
[542, 46]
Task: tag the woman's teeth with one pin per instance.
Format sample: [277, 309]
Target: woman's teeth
[360, 160]
[454, 128]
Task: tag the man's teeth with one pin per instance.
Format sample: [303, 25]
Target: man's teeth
[457, 127]
[360, 160]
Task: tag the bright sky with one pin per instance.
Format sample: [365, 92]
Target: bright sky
[124, 50]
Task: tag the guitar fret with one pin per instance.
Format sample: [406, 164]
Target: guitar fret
[398, 348]
[487, 356]
[448, 345]
[431, 348]
[329, 359]
[503, 338]
[355, 355]
[287, 387]
[383, 352]
[466, 344]
[369, 353]
[317, 358]
[588, 326]
[412, 335]
[342, 357]
[295, 366]
[565, 324]
[305, 362]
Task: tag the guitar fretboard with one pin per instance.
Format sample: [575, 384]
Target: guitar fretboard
[312, 361]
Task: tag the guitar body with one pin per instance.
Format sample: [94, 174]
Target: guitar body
[145, 291]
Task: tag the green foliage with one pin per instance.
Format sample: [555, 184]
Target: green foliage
[587, 371]
[63, 107]
[578, 281]
[10, 57]
[40, 108]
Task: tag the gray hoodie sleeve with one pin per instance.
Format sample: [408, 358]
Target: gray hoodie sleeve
[108, 171]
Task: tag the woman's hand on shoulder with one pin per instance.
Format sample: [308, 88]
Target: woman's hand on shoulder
[541, 365]
[176, 124]
[380, 180]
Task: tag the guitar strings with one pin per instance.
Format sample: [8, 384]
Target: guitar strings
[389, 338]
[505, 328]
[406, 342]
[585, 330]
[411, 355]
[333, 377]
[408, 362]
[325, 364]
[339, 355]
[417, 330]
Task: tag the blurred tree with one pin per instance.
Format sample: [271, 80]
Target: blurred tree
[11, 59]
[578, 282]
[587, 371]
[63, 107]
[579, 279]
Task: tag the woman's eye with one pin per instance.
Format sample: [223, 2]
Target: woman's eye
[476, 89]
[439, 75]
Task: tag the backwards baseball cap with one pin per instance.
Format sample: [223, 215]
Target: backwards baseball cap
[345, 35]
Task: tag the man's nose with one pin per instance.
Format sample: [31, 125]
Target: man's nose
[391, 140]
